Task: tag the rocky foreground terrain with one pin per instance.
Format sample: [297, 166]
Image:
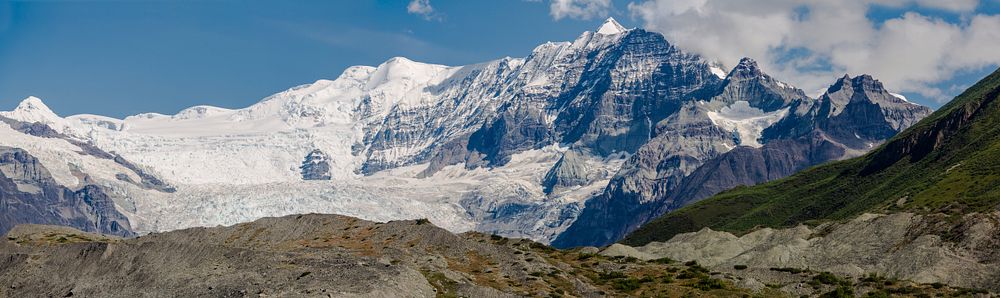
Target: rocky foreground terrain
[922, 248]
[338, 256]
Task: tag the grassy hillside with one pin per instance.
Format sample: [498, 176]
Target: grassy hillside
[947, 163]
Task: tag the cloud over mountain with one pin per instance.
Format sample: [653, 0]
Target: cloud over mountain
[919, 46]
[579, 9]
[810, 41]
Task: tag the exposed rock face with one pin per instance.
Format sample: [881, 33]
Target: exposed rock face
[749, 83]
[778, 129]
[615, 109]
[685, 139]
[682, 142]
[147, 180]
[315, 166]
[570, 170]
[460, 101]
[37, 129]
[748, 166]
[612, 92]
[922, 248]
[28, 194]
[844, 112]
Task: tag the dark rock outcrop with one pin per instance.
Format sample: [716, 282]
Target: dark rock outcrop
[570, 170]
[28, 194]
[749, 166]
[315, 166]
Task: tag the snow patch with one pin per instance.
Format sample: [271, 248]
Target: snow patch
[717, 71]
[747, 121]
[611, 27]
[95, 121]
[900, 96]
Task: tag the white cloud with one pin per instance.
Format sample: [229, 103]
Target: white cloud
[811, 42]
[952, 5]
[579, 9]
[422, 8]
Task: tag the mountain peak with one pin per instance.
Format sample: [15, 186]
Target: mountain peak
[866, 79]
[31, 110]
[747, 68]
[33, 104]
[864, 82]
[611, 27]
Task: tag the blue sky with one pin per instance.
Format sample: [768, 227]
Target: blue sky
[120, 58]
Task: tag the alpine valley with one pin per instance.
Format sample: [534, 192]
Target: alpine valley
[577, 144]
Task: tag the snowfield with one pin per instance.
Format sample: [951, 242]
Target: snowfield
[748, 122]
[236, 165]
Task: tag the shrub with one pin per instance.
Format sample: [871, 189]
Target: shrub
[691, 273]
[697, 268]
[828, 278]
[740, 267]
[907, 290]
[873, 278]
[542, 247]
[611, 275]
[626, 285]
[789, 270]
[839, 292]
[707, 284]
[667, 279]
[663, 261]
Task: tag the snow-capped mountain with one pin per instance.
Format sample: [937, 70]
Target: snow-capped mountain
[778, 129]
[514, 146]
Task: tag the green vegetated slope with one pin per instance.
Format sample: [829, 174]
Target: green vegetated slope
[947, 163]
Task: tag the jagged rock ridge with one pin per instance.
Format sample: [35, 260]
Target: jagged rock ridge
[796, 131]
